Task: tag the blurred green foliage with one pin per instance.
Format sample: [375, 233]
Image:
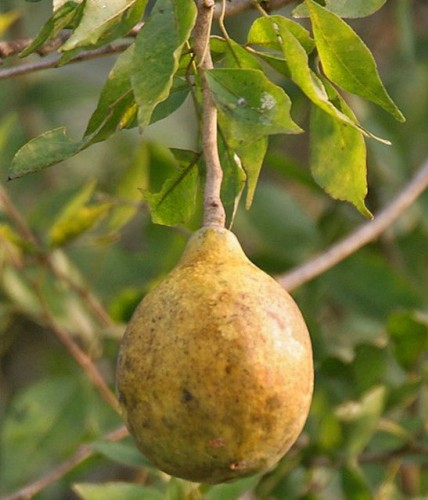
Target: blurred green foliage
[366, 436]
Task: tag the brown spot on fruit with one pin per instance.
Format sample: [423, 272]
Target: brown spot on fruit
[216, 443]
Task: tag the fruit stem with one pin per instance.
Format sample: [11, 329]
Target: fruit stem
[214, 213]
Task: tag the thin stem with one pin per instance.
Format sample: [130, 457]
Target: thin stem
[363, 235]
[25, 69]
[214, 214]
[84, 452]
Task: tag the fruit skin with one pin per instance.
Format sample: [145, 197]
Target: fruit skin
[215, 372]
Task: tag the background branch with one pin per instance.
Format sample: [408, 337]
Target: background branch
[86, 55]
[363, 235]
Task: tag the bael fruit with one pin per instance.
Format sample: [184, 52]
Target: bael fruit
[215, 372]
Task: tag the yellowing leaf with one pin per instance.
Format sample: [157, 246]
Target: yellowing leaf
[7, 19]
[77, 217]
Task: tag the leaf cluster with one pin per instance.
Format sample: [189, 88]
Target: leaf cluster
[157, 72]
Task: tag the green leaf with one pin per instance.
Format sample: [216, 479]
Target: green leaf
[338, 155]
[116, 101]
[354, 483]
[263, 33]
[76, 217]
[99, 20]
[43, 151]
[177, 95]
[157, 53]
[409, 334]
[20, 293]
[133, 181]
[59, 20]
[346, 60]
[345, 8]
[231, 491]
[44, 423]
[302, 75]
[360, 419]
[175, 203]
[233, 181]
[124, 453]
[233, 55]
[116, 490]
[250, 105]
[252, 156]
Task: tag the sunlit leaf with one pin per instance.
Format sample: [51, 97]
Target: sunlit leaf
[157, 53]
[59, 20]
[99, 20]
[346, 60]
[338, 156]
[253, 106]
[7, 19]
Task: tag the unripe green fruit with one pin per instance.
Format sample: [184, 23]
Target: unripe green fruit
[215, 372]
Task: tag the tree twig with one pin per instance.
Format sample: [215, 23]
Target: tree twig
[363, 235]
[84, 452]
[214, 214]
[24, 69]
